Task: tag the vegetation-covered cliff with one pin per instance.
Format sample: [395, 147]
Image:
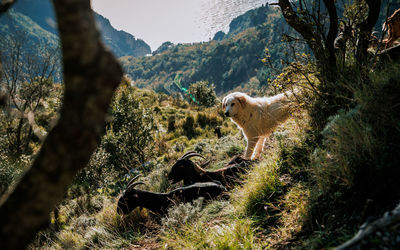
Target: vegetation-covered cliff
[251, 18]
[36, 18]
[121, 42]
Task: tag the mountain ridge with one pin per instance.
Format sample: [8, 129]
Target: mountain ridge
[41, 13]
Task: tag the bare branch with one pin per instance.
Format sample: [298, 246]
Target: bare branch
[390, 219]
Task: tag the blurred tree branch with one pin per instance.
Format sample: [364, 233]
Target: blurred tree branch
[5, 5]
[91, 75]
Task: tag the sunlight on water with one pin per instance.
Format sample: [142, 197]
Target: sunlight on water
[216, 15]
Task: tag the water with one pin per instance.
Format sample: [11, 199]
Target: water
[216, 15]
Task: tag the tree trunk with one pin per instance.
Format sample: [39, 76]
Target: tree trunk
[91, 75]
[374, 7]
[321, 46]
[18, 133]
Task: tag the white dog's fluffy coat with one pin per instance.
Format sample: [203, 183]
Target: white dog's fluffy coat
[257, 117]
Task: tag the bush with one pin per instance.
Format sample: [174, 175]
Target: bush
[130, 136]
[171, 123]
[10, 171]
[126, 146]
[348, 142]
[361, 146]
[183, 214]
[211, 120]
[204, 93]
[188, 127]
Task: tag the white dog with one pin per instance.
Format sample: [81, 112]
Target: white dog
[257, 117]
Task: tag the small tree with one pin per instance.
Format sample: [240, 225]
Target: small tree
[203, 93]
[318, 24]
[129, 139]
[28, 69]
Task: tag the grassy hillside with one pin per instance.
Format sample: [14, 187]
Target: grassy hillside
[300, 194]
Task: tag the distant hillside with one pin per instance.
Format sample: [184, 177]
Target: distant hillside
[251, 18]
[13, 22]
[27, 15]
[121, 42]
[228, 64]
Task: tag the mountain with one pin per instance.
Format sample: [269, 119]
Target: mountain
[251, 18]
[121, 42]
[233, 62]
[36, 17]
[17, 23]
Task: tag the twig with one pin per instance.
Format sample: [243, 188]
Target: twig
[389, 219]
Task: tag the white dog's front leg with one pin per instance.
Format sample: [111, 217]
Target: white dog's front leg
[259, 147]
[251, 143]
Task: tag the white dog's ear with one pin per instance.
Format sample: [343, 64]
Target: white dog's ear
[242, 100]
[223, 103]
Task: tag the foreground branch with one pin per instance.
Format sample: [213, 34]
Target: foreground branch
[91, 74]
[392, 53]
[388, 220]
[5, 5]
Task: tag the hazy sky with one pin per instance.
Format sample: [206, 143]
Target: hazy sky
[178, 21]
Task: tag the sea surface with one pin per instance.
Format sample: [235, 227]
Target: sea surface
[215, 15]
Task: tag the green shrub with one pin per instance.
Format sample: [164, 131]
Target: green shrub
[130, 136]
[211, 120]
[204, 93]
[183, 214]
[10, 171]
[171, 123]
[234, 150]
[188, 127]
[348, 143]
[126, 147]
[361, 146]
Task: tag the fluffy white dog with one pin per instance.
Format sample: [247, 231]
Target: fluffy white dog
[257, 117]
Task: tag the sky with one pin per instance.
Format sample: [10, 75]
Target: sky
[177, 21]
